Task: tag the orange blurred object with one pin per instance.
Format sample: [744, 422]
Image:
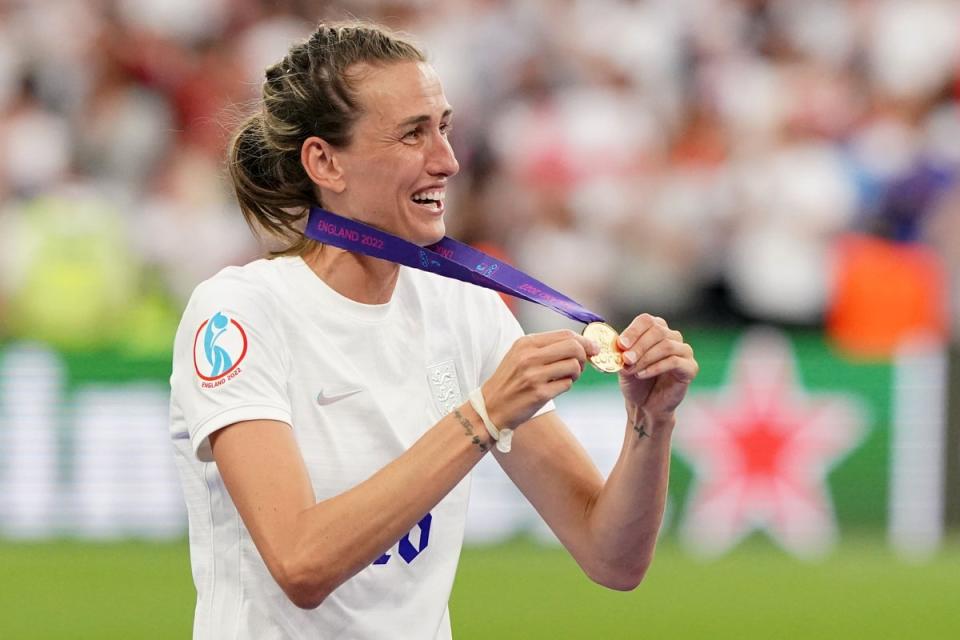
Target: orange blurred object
[885, 293]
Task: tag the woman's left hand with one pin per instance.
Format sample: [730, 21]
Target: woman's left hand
[658, 366]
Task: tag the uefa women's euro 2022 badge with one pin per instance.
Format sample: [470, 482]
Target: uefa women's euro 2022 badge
[218, 349]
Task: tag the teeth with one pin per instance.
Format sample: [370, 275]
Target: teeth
[430, 195]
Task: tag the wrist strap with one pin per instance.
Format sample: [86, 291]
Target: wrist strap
[503, 437]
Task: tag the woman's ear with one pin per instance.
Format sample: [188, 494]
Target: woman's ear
[320, 162]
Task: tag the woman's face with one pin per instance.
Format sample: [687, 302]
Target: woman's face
[396, 167]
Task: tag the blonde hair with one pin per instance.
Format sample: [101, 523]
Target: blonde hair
[308, 93]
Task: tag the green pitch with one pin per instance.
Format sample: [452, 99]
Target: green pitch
[520, 590]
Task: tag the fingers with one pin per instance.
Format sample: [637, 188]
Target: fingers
[536, 369]
[655, 344]
[639, 326]
[571, 369]
[556, 387]
[559, 351]
[652, 348]
[549, 338]
[667, 349]
[563, 358]
[683, 369]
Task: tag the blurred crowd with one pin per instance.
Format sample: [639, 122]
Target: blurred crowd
[697, 159]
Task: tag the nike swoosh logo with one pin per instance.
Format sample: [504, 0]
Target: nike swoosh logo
[327, 397]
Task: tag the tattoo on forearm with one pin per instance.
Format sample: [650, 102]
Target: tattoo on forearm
[638, 426]
[474, 438]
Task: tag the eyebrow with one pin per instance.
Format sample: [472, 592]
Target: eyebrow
[424, 118]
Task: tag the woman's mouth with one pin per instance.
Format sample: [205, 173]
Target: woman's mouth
[432, 199]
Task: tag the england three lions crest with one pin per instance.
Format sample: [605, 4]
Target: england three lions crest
[444, 385]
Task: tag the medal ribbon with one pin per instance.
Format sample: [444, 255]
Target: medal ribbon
[448, 258]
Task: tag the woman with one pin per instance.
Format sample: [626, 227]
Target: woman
[322, 427]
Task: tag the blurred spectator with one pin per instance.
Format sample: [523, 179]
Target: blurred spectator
[693, 158]
[35, 144]
[70, 278]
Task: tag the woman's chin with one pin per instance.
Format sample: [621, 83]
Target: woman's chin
[431, 236]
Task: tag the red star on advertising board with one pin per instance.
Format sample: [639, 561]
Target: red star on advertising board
[761, 448]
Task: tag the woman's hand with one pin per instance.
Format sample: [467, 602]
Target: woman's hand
[658, 366]
[537, 368]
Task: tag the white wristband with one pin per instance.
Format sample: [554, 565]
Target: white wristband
[503, 437]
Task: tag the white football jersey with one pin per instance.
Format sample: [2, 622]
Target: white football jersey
[359, 384]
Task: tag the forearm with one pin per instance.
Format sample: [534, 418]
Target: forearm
[610, 526]
[624, 519]
[338, 537]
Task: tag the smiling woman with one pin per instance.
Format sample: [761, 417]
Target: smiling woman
[325, 431]
[394, 173]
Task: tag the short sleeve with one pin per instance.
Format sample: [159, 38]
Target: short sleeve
[229, 363]
[505, 331]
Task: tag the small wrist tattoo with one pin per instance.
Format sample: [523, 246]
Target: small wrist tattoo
[638, 427]
[468, 428]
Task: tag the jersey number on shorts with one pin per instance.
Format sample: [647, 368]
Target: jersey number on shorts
[407, 550]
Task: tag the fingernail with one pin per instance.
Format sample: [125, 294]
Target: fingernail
[623, 342]
[595, 346]
[629, 357]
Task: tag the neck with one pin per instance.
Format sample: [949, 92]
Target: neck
[361, 278]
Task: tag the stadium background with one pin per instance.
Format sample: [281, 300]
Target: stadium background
[778, 179]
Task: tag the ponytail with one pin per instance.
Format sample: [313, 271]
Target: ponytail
[273, 190]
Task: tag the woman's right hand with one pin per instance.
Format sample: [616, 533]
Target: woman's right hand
[537, 368]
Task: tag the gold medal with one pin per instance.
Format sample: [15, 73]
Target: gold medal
[609, 360]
